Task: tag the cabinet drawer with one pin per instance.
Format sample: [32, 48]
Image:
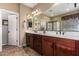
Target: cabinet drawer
[66, 42]
[65, 51]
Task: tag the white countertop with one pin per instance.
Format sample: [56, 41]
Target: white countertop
[68, 35]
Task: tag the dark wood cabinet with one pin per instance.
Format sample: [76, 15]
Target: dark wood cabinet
[29, 40]
[65, 47]
[47, 46]
[52, 46]
[77, 47]
[37, 43]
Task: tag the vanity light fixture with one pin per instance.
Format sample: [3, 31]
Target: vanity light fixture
[29, 16]
[33, 12]
[36, 12]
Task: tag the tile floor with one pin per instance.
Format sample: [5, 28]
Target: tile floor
[18, 51]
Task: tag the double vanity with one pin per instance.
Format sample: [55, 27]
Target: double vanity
[57, 36]
[52, 44]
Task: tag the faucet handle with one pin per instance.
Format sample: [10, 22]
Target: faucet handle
[63, 33]
[56, 32]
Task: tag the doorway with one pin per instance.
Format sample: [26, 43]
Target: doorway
[10, 28]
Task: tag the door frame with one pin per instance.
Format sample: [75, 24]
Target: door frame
[15, 13]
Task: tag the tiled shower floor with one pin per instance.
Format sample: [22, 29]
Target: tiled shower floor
[17, 51]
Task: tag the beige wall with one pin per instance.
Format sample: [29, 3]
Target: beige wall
[10, 6]
[24, 11]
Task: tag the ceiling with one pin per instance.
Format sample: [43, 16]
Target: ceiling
[60, 8]
[56, 8]
[31, 5]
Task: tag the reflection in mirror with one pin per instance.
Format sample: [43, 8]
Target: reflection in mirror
[36, 23]
[39, 22]
[70, 23]
[29, 24]
[53, 26]
[49, 26]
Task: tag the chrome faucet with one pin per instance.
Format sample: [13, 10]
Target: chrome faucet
[59, 32]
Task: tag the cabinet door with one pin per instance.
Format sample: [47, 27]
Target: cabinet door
[31, 40]
[27, 39]
[65, 47]
[37, 43]
[65, 51]
[77, 47]
[47, 46]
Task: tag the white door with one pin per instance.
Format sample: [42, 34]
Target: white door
[12, 28]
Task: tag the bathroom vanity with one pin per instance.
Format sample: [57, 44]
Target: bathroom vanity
[53, 45]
